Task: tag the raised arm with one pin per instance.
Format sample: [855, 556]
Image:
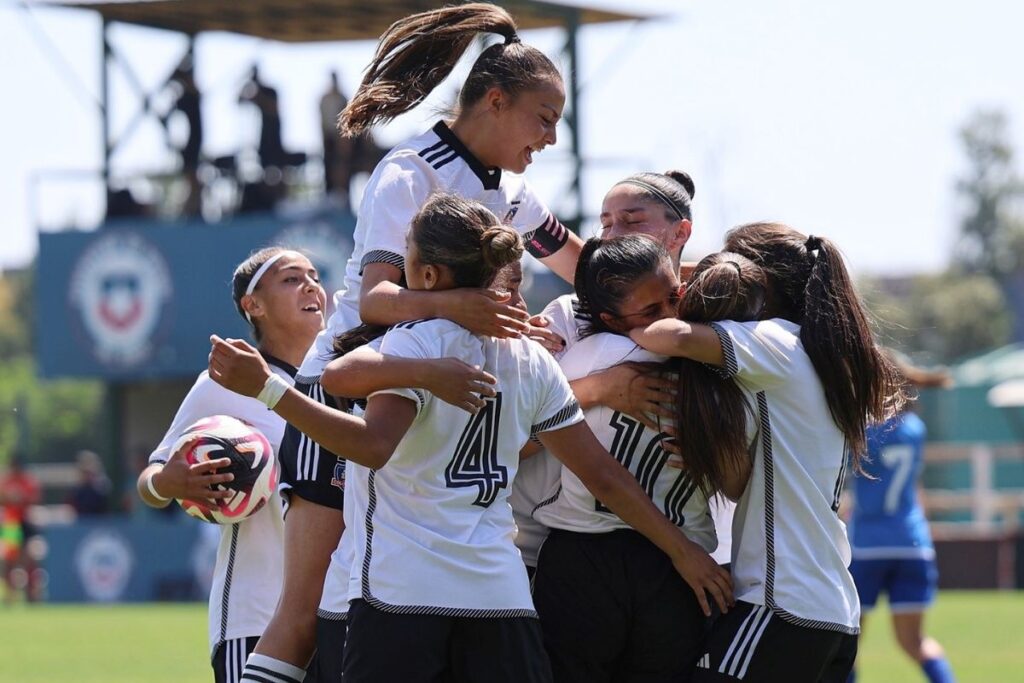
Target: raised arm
[365, 371]
[579, 450]
[671, 337]
[382, 301]
[370, 442]
[563, 261]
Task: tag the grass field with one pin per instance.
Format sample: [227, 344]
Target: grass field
[167, 643]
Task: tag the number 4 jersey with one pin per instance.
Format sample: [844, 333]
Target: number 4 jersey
[571, 506]
[433, 528]
[887, 521]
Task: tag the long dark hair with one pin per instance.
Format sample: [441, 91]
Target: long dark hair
[711, 410]
[605, 272]
[418, 52]
[808, 284]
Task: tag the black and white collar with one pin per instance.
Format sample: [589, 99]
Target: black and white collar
[277, 362]
[490, 177]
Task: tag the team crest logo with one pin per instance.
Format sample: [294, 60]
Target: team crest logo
[120, 288]
[326, 247]
[511, 213]
[104, 562]
[338, 479]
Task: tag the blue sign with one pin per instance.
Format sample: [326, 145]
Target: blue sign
[139, 299]
[117, 559]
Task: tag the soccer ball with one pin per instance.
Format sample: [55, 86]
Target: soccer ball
[252, 463]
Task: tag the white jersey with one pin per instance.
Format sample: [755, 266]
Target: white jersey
[250, 558]
[564, 321]
[433, 533]
[399, 186]
[334, 598]
[540, 474]
[572, 507]
[790, 550]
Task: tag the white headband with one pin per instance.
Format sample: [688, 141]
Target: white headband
[260, 272]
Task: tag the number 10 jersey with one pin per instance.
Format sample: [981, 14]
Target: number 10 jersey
[572, 507]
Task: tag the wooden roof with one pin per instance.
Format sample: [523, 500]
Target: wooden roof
[300, 21]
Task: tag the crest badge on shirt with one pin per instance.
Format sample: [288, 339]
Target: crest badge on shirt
[338, 478]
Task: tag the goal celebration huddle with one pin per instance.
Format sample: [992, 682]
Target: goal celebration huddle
[641, 482]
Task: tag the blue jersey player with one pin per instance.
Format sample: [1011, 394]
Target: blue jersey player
[892, 547]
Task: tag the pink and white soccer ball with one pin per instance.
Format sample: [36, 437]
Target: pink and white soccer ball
[252, 462]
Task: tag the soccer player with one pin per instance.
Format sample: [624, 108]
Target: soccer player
[278, 292]
[892, 547]
[818, 378]
[508, 110]
[612, 608]
[437, 584]
[657, 205]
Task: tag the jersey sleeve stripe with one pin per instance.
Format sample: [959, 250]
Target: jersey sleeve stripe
[570, 414]
[730, 366]
[444, 150]
[441, 163]
[382, 256]
[427, 150]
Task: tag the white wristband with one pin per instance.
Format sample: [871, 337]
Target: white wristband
[272, 391]
[152, 489]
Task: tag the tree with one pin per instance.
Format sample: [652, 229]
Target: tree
[992, 234]
[940, 318]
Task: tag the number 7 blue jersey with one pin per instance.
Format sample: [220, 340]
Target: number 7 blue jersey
[887, 521]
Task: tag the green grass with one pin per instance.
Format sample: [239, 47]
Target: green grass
[981, 631]
[104, 644]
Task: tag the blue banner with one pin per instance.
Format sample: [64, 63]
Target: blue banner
[138, 299]
[121, 559]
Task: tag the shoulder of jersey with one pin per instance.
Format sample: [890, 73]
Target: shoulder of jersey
[432, 324]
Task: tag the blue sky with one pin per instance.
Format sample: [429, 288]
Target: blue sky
[839, 118]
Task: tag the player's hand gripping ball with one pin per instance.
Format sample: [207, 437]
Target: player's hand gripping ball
[252, 464]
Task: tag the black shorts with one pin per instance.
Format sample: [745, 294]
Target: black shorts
[613, 609]
[415, 648]
[307, 469]
[229, 659]
[330, 646]
[751, 643]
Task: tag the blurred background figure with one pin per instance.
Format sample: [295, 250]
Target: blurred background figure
[264, 98]
[18, 491]
[187, 102]
[337, 151]
[91, 496]
[889, 535]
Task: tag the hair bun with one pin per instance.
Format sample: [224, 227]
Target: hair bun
[684, 179]
[500, 245]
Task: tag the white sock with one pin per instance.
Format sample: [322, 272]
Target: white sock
[264, 669]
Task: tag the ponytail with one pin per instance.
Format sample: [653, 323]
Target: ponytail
[418, 52]
[810, 286]
[464, 236]
[712, 411]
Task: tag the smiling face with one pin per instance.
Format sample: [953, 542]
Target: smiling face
[288, 300]
[524, 124]
[651, 298]
[627, 210]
